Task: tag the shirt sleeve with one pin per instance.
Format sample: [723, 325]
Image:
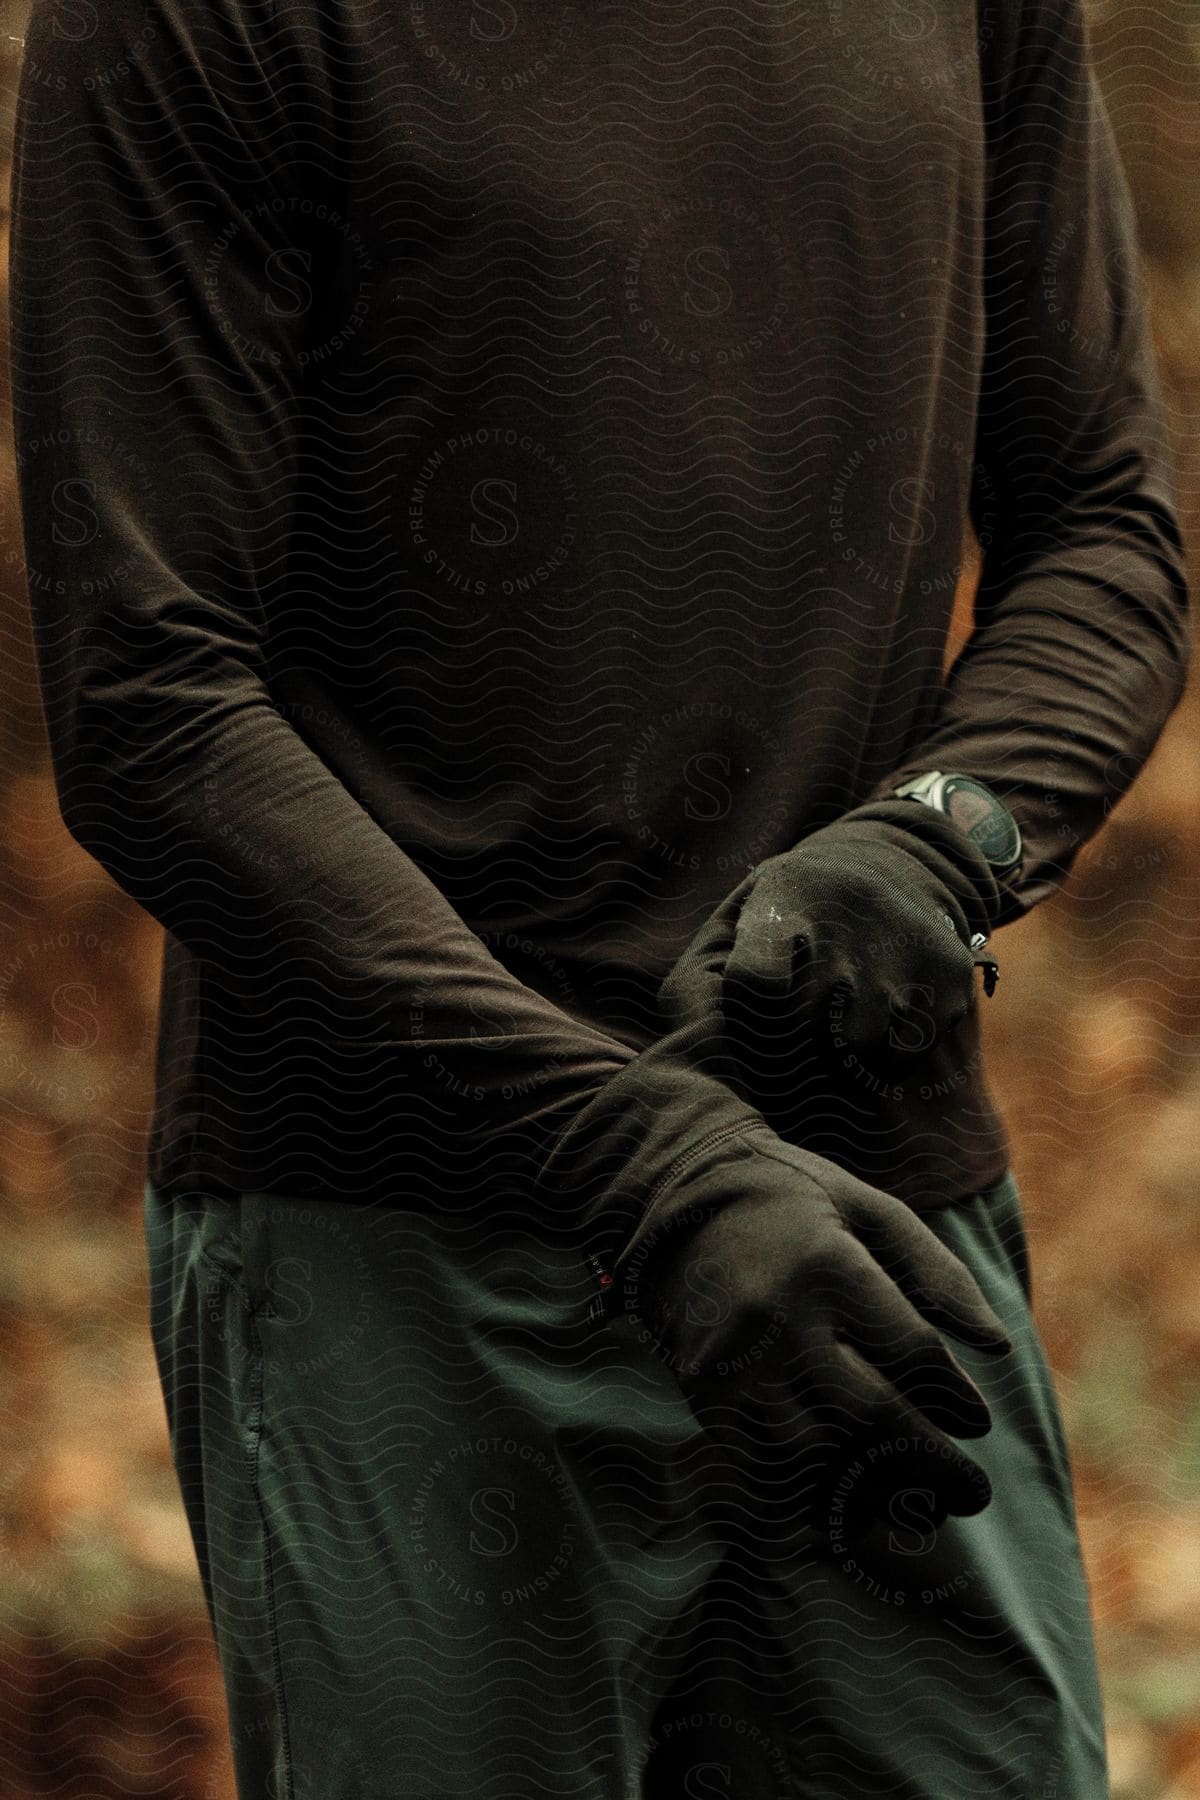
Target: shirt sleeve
[156, 408]
[1080, 647]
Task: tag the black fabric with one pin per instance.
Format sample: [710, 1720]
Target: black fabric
[757, 1268]
[482, 492]
[862, 939]
[796, 1303]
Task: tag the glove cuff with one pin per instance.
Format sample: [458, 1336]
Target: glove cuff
[637, 1133]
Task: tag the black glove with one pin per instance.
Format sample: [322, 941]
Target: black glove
[831, 1288]
[858, 940]
[797, 1306]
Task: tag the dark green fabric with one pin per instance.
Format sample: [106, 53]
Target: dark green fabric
[462, 1541]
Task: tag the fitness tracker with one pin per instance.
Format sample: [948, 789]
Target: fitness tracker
[976, 810]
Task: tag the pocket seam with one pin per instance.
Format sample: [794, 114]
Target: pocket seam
[225, 1276]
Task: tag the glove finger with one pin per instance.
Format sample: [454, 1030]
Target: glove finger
[887, 1331]
[781, 1446]
[825, 983]
[900, 1448]
[936, 1280]
[785, 1446]
[848, 1410]
[858, 1013]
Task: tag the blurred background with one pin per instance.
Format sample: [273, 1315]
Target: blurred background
[108, 1679]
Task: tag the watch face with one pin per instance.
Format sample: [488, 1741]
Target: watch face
[977, 812]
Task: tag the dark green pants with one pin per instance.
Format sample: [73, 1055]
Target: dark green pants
[457, 1539]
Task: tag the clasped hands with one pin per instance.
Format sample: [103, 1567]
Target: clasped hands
[833, 1293]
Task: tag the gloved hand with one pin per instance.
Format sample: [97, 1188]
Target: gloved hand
[800, 1309]
[830, 1288]
[858, 939]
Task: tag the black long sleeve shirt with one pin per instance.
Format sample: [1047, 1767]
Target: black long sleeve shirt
[490, 478]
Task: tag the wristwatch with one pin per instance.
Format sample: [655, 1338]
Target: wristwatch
[984, 818]
[979, 813]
